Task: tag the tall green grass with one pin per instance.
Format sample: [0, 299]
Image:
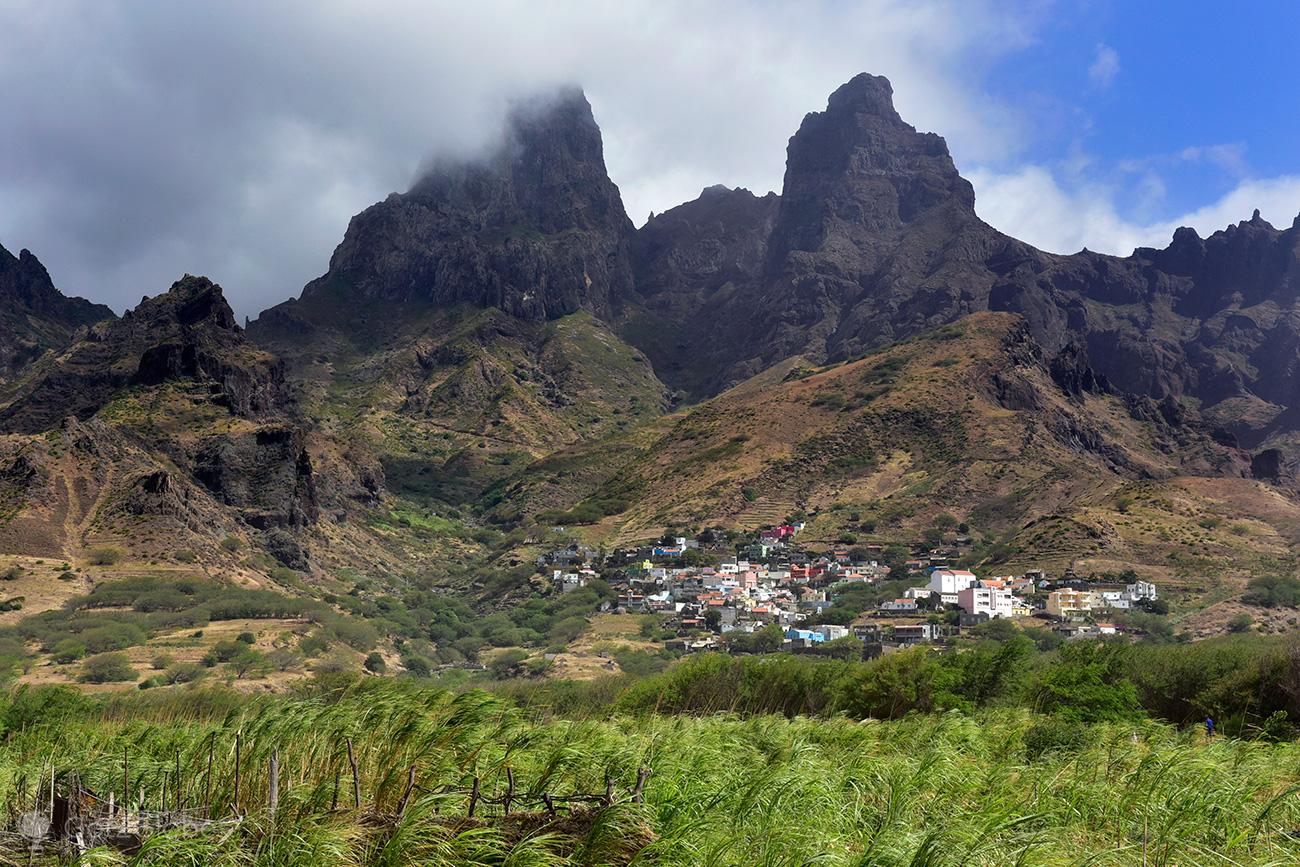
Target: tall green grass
[938, 789]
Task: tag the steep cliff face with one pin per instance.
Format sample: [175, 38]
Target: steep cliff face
[1212, 319]
[692, 265]
[536, 229]
[874, 237]
[34, 316]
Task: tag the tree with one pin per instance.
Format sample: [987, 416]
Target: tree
[507, 663]
[1087, 684]
[847, 647]
[107, 668]
[769, 639]
[283, 659]
[997, 629]
[246, 661]
[945, 522]
[895, 557]
[1240, 622]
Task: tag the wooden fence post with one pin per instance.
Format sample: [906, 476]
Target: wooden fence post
[273, 784]
[473, 799]
[207, 779]
[638, 793]
[126, 788]
[356, 777]
[238, 749]
[406, 796]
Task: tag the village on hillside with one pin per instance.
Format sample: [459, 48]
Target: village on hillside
[765, 592]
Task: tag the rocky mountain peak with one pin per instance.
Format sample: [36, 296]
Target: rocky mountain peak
[186, 334]
[858, 171]
[191, 301]
[548, 171]
[25, 284]
[34, 315]
[534, 228]
[865, 93]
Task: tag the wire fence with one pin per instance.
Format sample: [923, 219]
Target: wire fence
[68, 818]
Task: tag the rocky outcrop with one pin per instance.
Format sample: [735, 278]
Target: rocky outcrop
[266, 475]
[187, 334]
[34, 316]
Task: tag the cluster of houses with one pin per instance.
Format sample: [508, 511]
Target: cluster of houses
[770, 579]
[1018, 596]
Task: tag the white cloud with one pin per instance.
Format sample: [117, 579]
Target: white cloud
[1105, 66]
[237, 138]
[1037, 206]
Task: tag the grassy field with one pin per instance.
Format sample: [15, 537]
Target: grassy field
[942, 789]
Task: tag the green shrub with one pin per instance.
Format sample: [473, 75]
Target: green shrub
[375, 663]
[184, 672]
[222, 651]
[68, 650]
[246, 638]
[507, 663]
[1273, 591]
[185, 557]
[1240, 622]
[112, 636]
[639, 663]
[107, 668]
[231, 544]
[13, 573]
[356, 634]
[416, 666]
[314, 644]
[1054, 735]
[105, 556]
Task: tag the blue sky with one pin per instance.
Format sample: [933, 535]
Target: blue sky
[1191, 74]
[1163, 108]
[235, 138]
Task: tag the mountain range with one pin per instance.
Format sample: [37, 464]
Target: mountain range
[501, 346]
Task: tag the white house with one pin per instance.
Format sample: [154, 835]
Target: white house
[949, 582]
[1140, 590]
[568, 581]
[993, 601]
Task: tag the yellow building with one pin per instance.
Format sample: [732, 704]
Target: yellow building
[1070, 603]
